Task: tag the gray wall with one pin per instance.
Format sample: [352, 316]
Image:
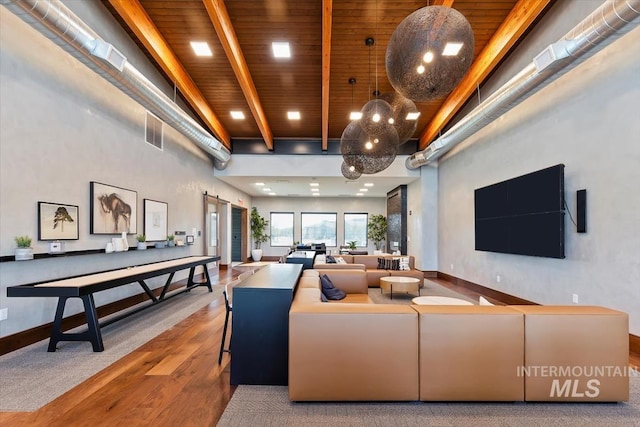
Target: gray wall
[63, 126]
[587, 120]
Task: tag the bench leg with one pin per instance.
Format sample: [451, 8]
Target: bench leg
[148, 291]
[95, 336]
[92, 334]
[208, 279]
[166, 285]
[56, 332]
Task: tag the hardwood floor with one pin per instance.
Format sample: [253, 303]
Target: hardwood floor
[172, 380]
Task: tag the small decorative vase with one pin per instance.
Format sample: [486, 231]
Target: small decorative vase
[256, 254]
[23, 254]
[141, 246]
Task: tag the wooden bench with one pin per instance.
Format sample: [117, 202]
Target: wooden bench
[85, 286]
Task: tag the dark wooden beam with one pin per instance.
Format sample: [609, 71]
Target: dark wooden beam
[224, 28]
[523, 14]
[327, 16]
[132, 12]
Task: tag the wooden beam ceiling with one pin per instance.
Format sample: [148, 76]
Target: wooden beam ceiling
[327, 15]
[137, 19]
[224, 28]
[516, 23]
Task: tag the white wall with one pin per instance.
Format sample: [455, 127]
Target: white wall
[64, 126]
[297, 205]
[422, 227]
[587, 120]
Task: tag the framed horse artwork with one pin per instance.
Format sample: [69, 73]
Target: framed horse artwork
[113, 209]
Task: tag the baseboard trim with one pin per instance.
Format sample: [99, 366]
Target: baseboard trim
[430, 274]
[24, 338]
[634, 343]
[491, 293]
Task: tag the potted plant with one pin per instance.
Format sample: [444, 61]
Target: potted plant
[377, 230]
[258, 226]
[141, 238]
[23, 251]
[171, 240]
[352, 244]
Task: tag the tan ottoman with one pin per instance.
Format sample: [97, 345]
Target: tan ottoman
[470, 353]
[576, 354]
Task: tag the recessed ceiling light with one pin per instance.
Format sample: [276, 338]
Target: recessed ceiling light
[293, 115]
[266, 189]
[315, 189]
[314, 184]
[359, 194]
[272, 194]
[259, 184]
[355, 115]
[315, 194]
[238, 115]
[413, 115]
[452, 49]
[201, 48]
[281, 49]
[368, 184]
[363, 189]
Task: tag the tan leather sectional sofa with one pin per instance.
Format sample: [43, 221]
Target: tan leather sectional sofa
[355, 350]
[369, 263]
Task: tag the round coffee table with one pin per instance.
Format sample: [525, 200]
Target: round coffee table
[399, 284]
[434, 300]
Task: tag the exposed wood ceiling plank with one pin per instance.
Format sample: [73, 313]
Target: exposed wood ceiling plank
[132, 12]
[524, 14]
[327, 14]
[222, 23]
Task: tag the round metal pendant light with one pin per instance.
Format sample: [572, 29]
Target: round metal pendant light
[366, 152]
[349, 172]
[375, 115]
[405, 115]
[429, 53]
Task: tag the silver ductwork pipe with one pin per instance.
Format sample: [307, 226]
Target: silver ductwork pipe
[56, 22]
[598, 29]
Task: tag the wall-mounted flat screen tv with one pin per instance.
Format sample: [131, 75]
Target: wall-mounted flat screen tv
[523, 215]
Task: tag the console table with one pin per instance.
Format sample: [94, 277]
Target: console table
[85, 286]
[260, 325]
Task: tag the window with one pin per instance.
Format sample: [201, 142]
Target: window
[281, 228]
[319, 228]
[355, 229]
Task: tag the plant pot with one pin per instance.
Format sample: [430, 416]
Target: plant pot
[23, 254]
[141, 246]
[171, 243]
[256, 254]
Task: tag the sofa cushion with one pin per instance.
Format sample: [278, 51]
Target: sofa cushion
[329, 290]
[340, 260]
[404, 264]
[330, 259]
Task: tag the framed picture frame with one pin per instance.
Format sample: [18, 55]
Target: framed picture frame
[57, 221]
[155, 220]
[113, 209]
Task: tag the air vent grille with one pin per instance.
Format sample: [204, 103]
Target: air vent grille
[153, 131]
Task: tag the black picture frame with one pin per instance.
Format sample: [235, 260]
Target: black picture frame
[155, 220]
[113, 209]
[52, 218]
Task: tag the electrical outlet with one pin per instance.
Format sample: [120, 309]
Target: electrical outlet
[575, 298]
[498, 278]
[4, 313]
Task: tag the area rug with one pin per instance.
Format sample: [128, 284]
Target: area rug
[31, 377]
[430, 288]
[270, 406]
